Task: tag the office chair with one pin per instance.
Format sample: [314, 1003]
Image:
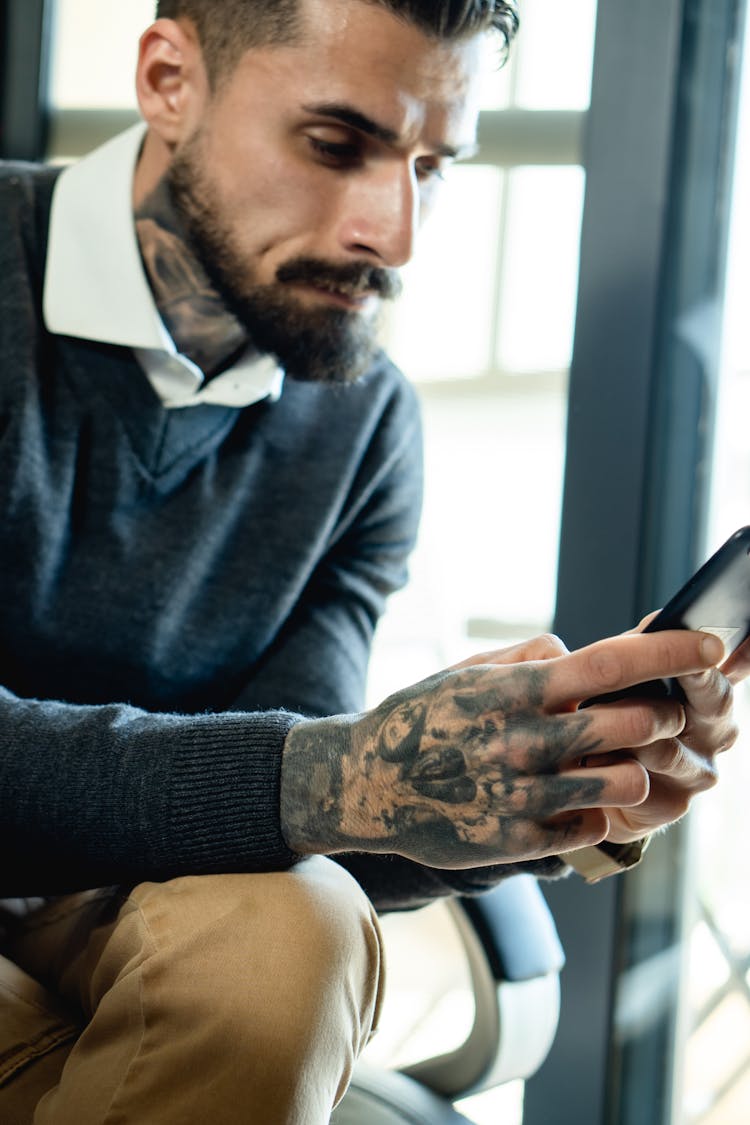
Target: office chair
[514, 958]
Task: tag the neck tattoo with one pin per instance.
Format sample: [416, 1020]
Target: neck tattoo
[194, 314]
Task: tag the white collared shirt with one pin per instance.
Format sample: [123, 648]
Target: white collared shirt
[95, 286]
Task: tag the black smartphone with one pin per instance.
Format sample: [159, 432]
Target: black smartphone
[715, 600]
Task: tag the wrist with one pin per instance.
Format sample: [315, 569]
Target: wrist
[312, 784]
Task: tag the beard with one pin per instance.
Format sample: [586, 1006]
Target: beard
[322, 344]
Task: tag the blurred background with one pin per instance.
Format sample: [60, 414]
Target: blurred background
[576, 324]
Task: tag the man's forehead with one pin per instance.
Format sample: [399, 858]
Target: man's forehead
[359, 54]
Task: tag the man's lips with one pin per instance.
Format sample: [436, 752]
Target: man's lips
[353, 285]
[342, 298]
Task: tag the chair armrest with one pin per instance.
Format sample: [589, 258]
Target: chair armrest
[386, 1097]
[516, 929]
[515, 958]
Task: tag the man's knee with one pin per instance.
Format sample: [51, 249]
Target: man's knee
[263, 988]
[315, 907]
[281, 955]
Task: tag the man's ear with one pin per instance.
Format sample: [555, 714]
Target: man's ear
[171, 80]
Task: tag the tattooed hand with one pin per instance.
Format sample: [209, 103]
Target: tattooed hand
[489, 761]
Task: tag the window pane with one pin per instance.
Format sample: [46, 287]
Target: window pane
[497, 81]
[94, 52]
[442, 325]
[555, 50]
[493, 466]
[550, 62]
[716, 1083]
[540, 269]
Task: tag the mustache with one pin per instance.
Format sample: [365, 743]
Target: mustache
[353, 279]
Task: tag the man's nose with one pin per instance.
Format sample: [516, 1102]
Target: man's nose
[381, 215]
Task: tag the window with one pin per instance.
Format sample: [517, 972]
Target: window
[716, 1071]
[87, 73]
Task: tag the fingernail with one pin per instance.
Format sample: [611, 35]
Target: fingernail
[712, 649]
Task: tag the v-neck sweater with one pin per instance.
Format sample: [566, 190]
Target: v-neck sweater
[179, 588]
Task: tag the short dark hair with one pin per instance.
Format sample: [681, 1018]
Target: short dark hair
[228, 28]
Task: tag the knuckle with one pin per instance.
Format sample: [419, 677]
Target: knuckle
[731, 737]
[643, 725]
[641, 786]
[680, 806]
[550, 644]
[630, 784]
[605, 668]
[711, 692]
[586, 826]
[670, 756]
[724, 698]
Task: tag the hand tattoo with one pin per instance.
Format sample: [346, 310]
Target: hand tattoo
[464, 768]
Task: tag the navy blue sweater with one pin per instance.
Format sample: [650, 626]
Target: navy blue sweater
[178, 587]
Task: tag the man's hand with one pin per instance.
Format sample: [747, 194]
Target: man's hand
[679, 768]
[491, 761]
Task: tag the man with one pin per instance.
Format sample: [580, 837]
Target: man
[196, 556]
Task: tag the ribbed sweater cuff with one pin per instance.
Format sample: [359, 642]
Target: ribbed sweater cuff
[223, 813]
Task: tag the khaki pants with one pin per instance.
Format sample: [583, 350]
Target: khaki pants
[209, 999]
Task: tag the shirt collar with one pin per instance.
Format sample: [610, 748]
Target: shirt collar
[96, 288]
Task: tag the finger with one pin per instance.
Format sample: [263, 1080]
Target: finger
[544, 647]
[525, 838]
[644, 621]
[708, 693]
[710, 727]
[621, 784]
[621, 662]
[737, 667]
[534, 745]
[567, 831]
[672, 762]
[626, 724]
[667, 803]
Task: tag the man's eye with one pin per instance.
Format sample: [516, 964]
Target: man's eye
[426, 171]
[336, 153]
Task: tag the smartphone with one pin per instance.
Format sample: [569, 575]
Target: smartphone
[715, 600]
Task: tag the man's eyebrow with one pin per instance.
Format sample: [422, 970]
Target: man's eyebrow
[347, 115]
